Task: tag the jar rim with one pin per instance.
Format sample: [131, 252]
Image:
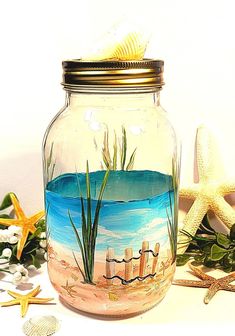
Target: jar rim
[113, 73]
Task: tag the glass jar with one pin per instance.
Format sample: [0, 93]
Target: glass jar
[111, 188]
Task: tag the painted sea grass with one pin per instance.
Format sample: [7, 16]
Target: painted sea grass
[123, 149]
[89, 229]
[50, 167]
[130, 165]
[115, 152]
[111, 163]
[172, 218]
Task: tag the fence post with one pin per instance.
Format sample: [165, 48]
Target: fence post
[128, 265]
[143, 258]
[155, 259]
[110, 265]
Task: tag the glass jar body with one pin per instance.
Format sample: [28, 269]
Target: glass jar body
[110, 174]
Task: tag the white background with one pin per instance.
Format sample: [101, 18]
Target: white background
[195, 38]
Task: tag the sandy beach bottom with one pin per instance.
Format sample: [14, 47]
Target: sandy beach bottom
[105, 298]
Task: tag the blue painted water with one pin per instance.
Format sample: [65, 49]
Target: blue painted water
[134, 208]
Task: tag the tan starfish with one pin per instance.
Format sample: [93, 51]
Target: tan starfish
[25, 300]
[208, 281]
[26, 223]
[209, 193]
[69, 289]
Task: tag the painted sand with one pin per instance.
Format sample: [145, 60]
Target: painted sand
[134, 210]
[103, 299]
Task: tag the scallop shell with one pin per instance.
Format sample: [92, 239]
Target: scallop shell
[41, 326]
[132, 47]
[124, 42]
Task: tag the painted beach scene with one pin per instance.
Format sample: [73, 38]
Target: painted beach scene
[111, 239]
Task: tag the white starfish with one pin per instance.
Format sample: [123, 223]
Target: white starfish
[209, 193]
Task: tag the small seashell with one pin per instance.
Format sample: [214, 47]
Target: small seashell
[113, 296]
[41, 326]
[124, 42]
[132, 47]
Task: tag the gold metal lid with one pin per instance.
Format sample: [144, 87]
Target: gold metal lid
[112, 73]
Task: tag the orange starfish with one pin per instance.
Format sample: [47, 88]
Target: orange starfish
[26, 223]
[25, 300]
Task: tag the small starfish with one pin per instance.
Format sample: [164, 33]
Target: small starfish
[25, 300]
[209, 193]
[165, 265]
[69, 289]
[26, 223]
[208, 281]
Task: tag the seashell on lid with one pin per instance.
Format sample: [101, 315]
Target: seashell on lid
[41, 326]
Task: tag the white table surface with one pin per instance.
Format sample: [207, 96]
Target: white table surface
[182, 312]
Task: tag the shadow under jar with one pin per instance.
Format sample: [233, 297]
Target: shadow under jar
[111, 188]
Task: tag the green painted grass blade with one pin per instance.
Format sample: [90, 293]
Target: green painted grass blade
[131, 161]
[82, 202]
[52, 171]
[89, 214]
[84, 228]
[115, 152]
[50, 156]
[76, 261]
[105, 151]
[84, 224]
[98, 206]
[79, 244]
[172, 236]
[105, 160]
[123, 149]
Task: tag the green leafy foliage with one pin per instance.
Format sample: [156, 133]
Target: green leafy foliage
[6, 202]
[30, 255]
[210, 248]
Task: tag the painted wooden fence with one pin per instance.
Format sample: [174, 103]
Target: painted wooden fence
[144, 262]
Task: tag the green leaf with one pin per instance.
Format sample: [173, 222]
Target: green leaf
[199, 258]
[208, 262]
[228, 269]
[217, 252]
[232, 232]
[205, 225]
[223, 240]
[6, 201]
[4, 216]
[35, 234]
[42, 224]
[35, 261]
[182, 259]
[2, 226]
[207, 248]
[227, 260]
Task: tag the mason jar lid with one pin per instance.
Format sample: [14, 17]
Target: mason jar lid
[120, 74]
